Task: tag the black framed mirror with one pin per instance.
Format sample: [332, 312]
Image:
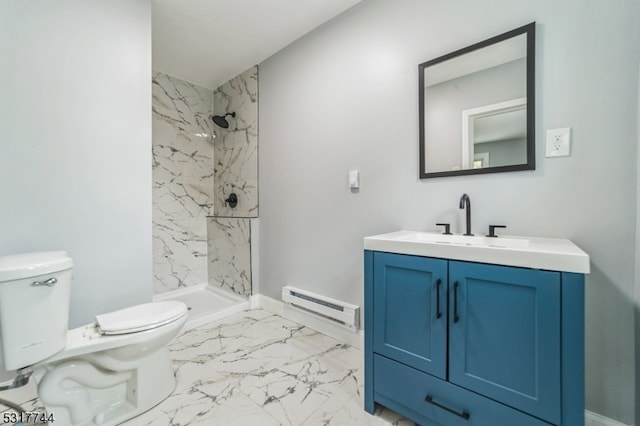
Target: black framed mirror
[477, 107]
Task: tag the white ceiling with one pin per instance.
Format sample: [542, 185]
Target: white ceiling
[208, 42]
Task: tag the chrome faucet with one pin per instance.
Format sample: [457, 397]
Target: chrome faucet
[465, 202]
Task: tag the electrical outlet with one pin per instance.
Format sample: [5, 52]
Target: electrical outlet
[558, 142]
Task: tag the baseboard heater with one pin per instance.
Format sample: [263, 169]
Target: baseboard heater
[343, 313]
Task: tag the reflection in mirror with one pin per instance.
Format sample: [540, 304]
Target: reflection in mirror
[500, 130]
[477, 108]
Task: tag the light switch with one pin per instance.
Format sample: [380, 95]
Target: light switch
[558, 142]
[354, 179]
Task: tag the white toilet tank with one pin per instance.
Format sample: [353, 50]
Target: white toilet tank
[34, 306]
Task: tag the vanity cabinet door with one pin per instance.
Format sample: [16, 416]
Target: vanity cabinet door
[409, 301]
[504, 335]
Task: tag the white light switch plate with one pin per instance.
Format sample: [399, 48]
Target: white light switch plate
[354, 179]
[558, 142]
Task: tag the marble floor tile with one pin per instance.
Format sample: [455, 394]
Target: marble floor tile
[257, 368]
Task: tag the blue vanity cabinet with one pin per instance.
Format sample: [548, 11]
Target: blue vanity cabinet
[504, 335]
[410, 299]
[507, 349]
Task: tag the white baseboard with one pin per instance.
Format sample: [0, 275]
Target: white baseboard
[314, 322]
[594, 419]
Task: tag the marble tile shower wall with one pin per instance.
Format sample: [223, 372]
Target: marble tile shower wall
[235, 171]
[230, 254]
[236, 148]
[183, 182]
[197, 238]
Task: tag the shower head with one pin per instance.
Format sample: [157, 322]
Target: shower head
[221, 120]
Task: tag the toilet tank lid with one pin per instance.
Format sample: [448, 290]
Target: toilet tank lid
[28, 265]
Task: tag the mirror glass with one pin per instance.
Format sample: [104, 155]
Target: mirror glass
[477, 107]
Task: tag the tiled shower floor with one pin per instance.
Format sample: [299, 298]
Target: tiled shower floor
[257, 368]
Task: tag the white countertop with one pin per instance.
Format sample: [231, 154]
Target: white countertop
[553, 254]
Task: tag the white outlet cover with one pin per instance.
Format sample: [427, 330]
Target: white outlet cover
[558, 143]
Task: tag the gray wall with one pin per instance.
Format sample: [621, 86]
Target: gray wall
[345, 97]
[75, 131]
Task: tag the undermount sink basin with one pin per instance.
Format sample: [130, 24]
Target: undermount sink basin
[465, 240]
[530, 252]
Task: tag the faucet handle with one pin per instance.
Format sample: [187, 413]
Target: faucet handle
[232, 201]
[447, 228]
[492, 230]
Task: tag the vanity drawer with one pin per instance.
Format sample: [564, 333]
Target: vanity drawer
[405, 390]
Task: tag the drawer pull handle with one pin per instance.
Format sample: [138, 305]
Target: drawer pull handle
[465, 415]
[438, 313]
[456, 318]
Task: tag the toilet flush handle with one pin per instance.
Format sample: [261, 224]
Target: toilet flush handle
[49, 283]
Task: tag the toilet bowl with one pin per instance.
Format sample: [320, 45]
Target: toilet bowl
[102, 373]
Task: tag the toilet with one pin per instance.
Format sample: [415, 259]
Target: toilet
[102, 373]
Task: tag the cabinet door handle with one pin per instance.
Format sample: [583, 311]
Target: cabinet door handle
[456, 318]
[438, 313]
[465, 415]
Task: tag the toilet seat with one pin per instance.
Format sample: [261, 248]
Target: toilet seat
[140, 318]
[88, 339]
